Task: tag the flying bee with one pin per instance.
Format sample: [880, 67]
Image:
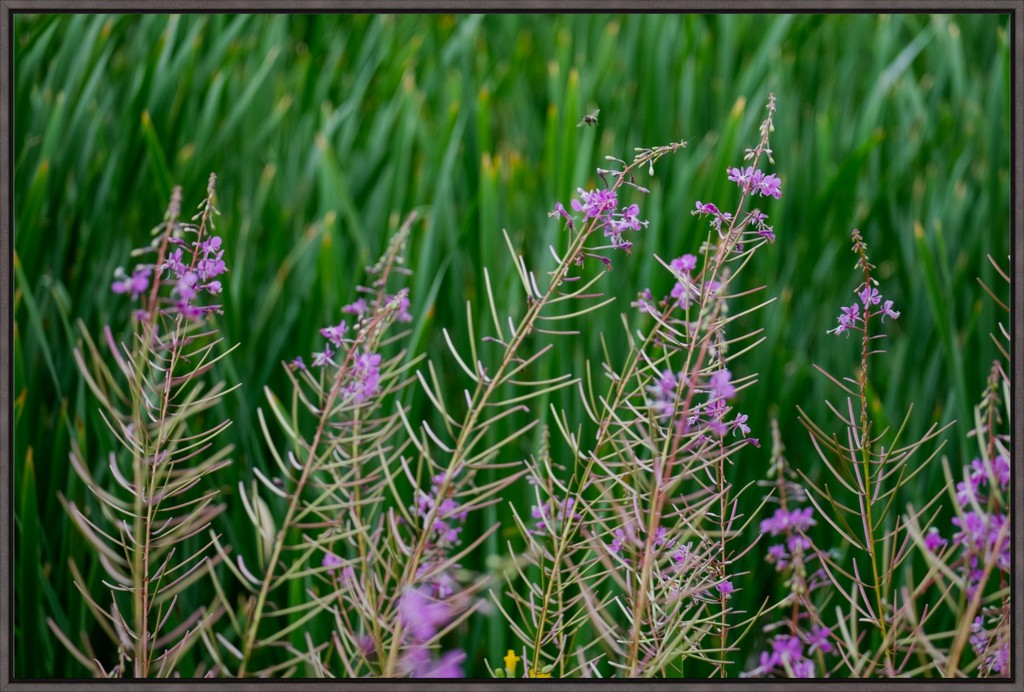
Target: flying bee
[589, 118]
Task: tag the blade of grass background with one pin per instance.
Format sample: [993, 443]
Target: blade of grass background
[40, 343]
[36, 662]
[157, 158]
[943, 316]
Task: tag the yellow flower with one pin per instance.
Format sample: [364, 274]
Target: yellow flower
[535, 674]
[510, 663]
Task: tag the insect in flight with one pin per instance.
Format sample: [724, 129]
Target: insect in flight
[589, 118]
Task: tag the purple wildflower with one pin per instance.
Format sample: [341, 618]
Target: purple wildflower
[870, 296]
[594, 203]
[644, 300]
[663, 393]
[175, 263]
[682, 292]
[740, 423]
[627, 221]
[741, 176]
[718, 219]
[852, 314]
[403, 308]
[887, 311]
[967, 491]
[796, 543]
[421, 615]
[721, 384]
[186, 286]
[335, 334]
[787, 648]
[760, 221]
[549, 521]
[770, 186]
[998, 660]
[818, 639]
[718, 426]
[358, 308]
[210, 246]
[207, 259]
[1001, 468]
[323, 358]
[847, 320]
[803, 669]
[982, 534]
[331, 561]
[618, 542]
[753, 180]
[783, 520]
[778, 555]
[705, 208]
[448, 666]
[979, 639]
[418, 662]
[559, 210]
[209, 268]
[365, 377]
[933, 541]
[136, 284]
[682, 555]
[603, 205]
[439, 585]
[447, 511]
[630, 220]
[189, 311]
[684, 264]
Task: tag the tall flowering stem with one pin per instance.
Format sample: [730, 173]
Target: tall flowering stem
[697, 349]
[880, 471]
[869, 297]
[153, 402]
[331, 484]
[787, 655]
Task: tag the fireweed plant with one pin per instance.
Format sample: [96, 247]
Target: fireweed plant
[870, 467]
[377, 517]
[149, 532]
[790, 554]
[627, 560]
[887, 622]
[969, 560]
[628, 563]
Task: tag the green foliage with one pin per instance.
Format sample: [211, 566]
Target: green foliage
[326, 130]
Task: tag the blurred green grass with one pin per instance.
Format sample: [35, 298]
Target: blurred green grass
[325, 130]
